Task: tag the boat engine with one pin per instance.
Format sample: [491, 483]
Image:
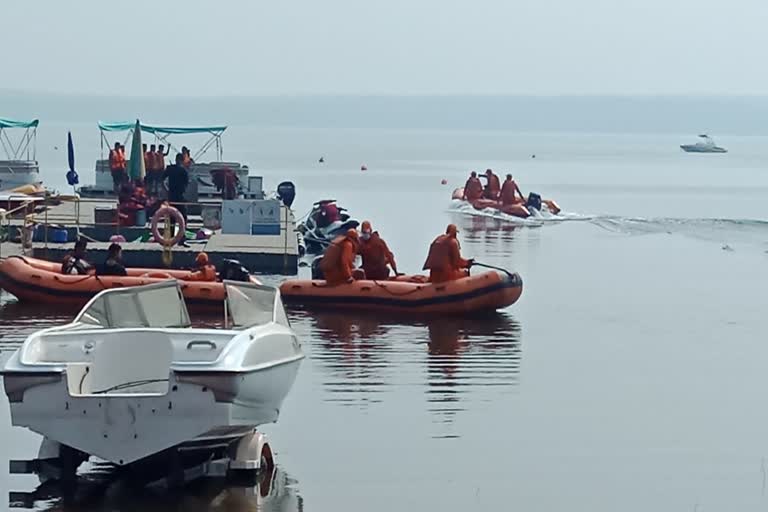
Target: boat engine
[286, 192]
[534, 201]
[233, 270]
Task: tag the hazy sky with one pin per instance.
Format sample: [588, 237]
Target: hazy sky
[255, 47]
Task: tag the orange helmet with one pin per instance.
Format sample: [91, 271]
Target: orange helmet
[451, 229]
[366, 227]
[201, 259]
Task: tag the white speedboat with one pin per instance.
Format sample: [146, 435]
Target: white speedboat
[705, 145]
[131, 381]
[18, 164]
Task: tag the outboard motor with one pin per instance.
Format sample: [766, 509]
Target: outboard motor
[286, 192]
[317, 272]
[233, 270]
[534, 201]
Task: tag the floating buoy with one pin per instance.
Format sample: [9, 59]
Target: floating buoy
[533, 156]
[363, 167]
[444, 181]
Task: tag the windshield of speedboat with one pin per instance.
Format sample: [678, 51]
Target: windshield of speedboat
[159, 305]
[252, 304]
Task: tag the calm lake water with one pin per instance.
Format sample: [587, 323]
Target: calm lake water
[630, 376]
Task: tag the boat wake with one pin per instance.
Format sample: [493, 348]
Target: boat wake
[725, 231]
[538, 218]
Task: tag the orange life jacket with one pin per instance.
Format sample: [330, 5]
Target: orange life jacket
[508, 192]
[339, 261]
[444, 260]
[207, 273]
[116, 160]
[376, 256]
[473, 189]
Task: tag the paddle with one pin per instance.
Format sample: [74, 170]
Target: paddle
[476, 264]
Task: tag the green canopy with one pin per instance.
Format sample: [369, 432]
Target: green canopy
[13, 123]
[176, 130]
[136, 169]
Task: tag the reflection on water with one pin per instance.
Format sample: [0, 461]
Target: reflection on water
[365, 356]
[273, 492]
[20, 320]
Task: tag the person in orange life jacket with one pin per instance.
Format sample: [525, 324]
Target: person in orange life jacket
[117, 165]
[493, 187]
[375, 254]
[205, 271]
[473, 188]
[338, 263]
[444, 260]
[510, 192]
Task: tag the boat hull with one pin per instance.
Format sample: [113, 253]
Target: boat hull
[123, 429]
[517, 210]
[488, 291]
[18, 173]
[692, 148]
[33, 280]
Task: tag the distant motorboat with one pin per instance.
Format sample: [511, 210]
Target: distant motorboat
[705, 145]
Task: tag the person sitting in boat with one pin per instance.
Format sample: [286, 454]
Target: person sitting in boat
[74, 262]
[375, 254]
[444, 260]
[493, 187]
[338, 263]
[204, 271]
[510, 192]
[473, 189]
[117, 165]
[113, 265]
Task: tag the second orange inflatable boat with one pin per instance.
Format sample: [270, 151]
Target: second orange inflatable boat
[487, 291]
[33, 280]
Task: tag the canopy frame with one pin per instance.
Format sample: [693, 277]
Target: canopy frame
[162, 134]
[26, 146]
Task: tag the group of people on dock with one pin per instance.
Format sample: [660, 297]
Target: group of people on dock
[76, 262]
[508, 193]
[137, 194]
[337, 266]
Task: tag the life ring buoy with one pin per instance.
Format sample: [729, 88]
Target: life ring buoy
[162, 213]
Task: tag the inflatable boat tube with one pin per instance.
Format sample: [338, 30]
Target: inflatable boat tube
[484, 292]
[39, 281]
[517, 210]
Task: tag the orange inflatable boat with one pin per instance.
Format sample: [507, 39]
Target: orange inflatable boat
[518, 210]
[487, 291]
[33, 280]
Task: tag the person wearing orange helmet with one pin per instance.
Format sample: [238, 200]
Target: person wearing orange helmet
[444, 260]
[205, 271]
[473, 188]
[375, 254]
[338, 262]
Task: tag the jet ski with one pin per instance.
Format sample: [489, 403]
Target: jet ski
[325, 222]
